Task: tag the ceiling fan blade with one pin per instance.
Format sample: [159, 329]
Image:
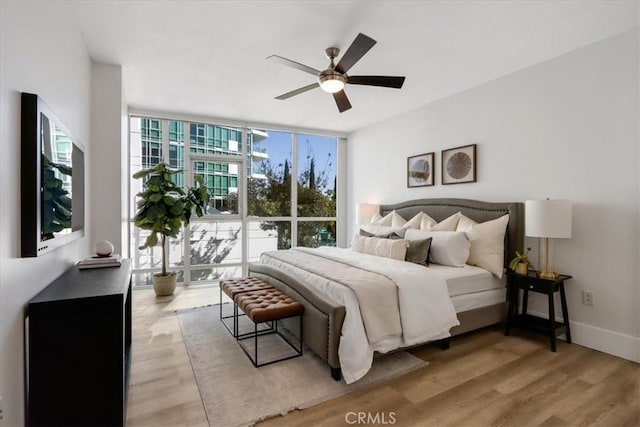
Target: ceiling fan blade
[294, 64]
[298, 91]
[342, 101]
[358, 48]
[383, 81]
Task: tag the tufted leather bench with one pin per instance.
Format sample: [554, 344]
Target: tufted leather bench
[268, 305]
[233, 287]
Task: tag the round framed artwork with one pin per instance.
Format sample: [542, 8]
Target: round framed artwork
[420, 170]
[459, 165]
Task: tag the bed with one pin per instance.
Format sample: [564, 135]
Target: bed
[476, 296]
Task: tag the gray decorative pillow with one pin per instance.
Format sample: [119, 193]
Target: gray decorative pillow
[383, 230]
[391, 235]
[365, 233]
[418, 251]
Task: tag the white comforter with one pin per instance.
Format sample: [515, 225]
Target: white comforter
[426, 310]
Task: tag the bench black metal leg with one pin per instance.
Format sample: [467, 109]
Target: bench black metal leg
[255, 343]
[273, 329]
[336, 373]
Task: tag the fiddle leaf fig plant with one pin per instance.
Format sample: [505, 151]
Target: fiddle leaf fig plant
[164, 207]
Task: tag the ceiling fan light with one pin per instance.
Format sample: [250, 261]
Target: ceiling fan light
[332, 83]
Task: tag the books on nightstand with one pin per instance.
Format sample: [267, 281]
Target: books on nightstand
[100, 262]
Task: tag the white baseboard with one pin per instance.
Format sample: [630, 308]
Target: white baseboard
[604, 340]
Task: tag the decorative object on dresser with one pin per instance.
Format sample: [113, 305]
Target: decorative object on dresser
[529, 282]
[459, 165]
[165, 206]
[78, 349]
[104, 248]
[114, 260]
[420, 170]
[547, 219]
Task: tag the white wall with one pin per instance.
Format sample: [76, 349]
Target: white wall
[109, 124]
[42, 52]
[565, 128]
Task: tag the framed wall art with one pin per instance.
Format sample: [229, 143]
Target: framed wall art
[459, 165]
[420, 170]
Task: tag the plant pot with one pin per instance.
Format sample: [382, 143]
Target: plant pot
[522, 268]
[164, 285]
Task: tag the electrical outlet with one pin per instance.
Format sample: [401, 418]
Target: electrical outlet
[587, 298]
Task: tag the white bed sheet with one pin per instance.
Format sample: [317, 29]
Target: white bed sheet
[468, 279]
[474, 300]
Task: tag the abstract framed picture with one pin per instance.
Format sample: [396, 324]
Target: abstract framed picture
[459, 165]
[420, 170]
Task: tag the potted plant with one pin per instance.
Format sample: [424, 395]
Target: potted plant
[163, 209]
[520, 264]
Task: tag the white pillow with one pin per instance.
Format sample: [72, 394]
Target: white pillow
[447, 247]
[388, 248]
[417, 220]
[427, 222]
[447, 224]
[465, 223]
[383, 230]
[391, 219]
[487, 242]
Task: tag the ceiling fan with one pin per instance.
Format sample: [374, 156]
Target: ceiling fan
[333, 79]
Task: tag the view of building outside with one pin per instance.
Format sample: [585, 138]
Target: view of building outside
[59, 151]
[213, 247]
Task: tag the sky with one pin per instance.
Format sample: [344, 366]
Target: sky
[278, 147]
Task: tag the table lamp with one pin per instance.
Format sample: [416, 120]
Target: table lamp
[366, 211]
[547, 219]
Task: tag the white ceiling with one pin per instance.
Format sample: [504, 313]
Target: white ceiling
[208, 57]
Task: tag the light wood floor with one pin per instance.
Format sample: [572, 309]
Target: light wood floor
[484, 379]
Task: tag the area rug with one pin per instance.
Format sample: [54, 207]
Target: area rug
[234, 393]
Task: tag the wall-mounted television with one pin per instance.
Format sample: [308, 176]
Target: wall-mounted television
[52, 187]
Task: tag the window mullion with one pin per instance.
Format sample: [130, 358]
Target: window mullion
[164, 139]
[188, 180]
[294, 190]
[243, 208]
[342, 240]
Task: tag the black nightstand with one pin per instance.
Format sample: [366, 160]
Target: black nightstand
[530, 282]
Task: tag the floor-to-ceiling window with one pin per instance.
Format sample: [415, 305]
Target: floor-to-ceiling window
[267, 190]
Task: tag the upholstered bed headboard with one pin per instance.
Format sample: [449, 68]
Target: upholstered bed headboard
[477, 210]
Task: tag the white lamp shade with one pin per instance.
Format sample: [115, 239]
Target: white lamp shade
[366, 211]
[547, 218]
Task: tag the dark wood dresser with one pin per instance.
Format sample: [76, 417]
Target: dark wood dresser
[78, 347]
